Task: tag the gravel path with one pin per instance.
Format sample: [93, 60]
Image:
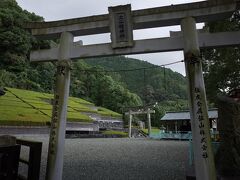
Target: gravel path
[114, 159]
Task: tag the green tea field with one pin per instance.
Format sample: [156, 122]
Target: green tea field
[22, 107]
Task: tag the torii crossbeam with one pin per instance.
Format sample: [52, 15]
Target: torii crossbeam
[121, 22]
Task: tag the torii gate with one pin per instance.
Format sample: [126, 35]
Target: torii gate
[121, 22]
[131, 113]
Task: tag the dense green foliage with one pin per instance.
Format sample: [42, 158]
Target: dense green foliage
[15, 45]
[222, 65]
[117, 90]
[152, 86]
[167, 89]
[16, 71]
[101, 88]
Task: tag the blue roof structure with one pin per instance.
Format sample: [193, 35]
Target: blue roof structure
[185, 115]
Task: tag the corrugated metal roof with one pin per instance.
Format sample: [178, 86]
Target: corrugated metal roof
[185, 115]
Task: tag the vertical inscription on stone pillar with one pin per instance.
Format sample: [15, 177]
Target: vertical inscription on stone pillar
[194, 60]
[121, 29]
[121, 26]
[201, 126]
[54, 125]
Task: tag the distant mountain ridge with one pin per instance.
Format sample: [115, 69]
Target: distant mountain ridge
[151, 84]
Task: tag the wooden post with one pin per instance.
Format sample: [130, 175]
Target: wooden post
[59, 113]
[149, 121]
[130, 124]
[203, 155]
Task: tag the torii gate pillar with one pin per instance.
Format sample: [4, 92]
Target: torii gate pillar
[203, 155]
[149, 121]
[130, 124]
[59, 113]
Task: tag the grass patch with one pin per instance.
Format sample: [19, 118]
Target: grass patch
[80, 107]
[81, 101]
[21, 116]
[42, 106]
[5, 104]
[28, 95]
[112, 132]
[73, 116]
[153, 130]
[107, 112]
[83, 110]
[78, 117]
[79, 120]
[23, 107]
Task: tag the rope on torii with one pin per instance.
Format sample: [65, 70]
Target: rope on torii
[140, 111]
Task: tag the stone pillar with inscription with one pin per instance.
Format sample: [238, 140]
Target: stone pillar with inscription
[59, 112]
[203, 155]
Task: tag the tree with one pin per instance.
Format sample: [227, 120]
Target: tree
[222, 66]
[111, 90]
[93, 84]
[149, 84]
[15, 46]
[6, 78]
[15, 41]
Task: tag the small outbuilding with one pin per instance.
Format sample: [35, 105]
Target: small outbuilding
[180, 120]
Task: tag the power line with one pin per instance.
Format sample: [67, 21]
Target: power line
[134, 69]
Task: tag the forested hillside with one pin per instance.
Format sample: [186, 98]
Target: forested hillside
[158, 87]
[90, 80]
[152, 84]
[17, 71]
[93, 84]
[93, 79]
[15, 45]
[114, 91]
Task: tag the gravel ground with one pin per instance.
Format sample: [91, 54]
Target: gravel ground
[109, 158]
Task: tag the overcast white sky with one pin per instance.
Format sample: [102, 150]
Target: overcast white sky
[65, 9]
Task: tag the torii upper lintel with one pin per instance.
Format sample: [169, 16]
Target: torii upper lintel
[147, 18]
